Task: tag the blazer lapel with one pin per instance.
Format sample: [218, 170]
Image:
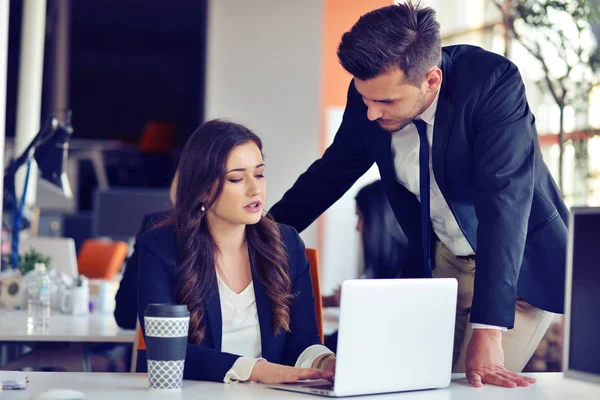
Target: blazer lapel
[444, 116]
[213, 313]
[212, 308]
[384, 156]
[441, 133]
[265, 317]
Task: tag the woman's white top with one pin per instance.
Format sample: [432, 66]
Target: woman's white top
[241, 333]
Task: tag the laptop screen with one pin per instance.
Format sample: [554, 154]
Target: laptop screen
[583, 285]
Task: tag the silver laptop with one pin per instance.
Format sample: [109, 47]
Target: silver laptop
[63, 257]
[394, 335]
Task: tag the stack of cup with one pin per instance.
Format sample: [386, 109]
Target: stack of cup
[166, 343]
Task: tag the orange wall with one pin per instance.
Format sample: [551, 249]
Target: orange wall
[338, 18]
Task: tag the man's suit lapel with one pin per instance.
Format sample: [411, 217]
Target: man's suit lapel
[444, 116]
[441, 133]
[382, 148]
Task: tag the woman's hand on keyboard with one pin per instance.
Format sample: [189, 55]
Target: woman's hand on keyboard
[271, 373]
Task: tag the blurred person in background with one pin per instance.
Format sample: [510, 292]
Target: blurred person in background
[384, 244]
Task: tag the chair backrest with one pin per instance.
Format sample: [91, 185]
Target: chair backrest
[141, 345]
[138, 344]
[158, 137]
[313, 260]
[101, 259]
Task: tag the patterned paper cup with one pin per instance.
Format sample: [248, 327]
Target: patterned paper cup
[166, 343]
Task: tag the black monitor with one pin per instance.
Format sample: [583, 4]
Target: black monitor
[582, 296]
[118, 212]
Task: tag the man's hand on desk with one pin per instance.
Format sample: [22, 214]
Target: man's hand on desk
[485, 361]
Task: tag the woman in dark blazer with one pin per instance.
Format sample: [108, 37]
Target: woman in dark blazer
[245, 279]
[126, 298]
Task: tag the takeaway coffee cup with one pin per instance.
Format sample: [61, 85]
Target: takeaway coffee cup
[166, 342]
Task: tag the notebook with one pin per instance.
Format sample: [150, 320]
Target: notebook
[12, 380]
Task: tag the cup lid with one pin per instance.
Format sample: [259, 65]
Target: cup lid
[167, 310]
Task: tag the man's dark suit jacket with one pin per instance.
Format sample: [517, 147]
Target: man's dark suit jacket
[126, 297]
[157, 282]
[488, 165]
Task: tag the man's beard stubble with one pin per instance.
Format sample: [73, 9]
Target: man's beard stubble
[419, 106]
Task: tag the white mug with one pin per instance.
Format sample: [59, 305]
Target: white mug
[75, 300]
[104, 300]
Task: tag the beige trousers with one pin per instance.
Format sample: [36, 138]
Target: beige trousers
[518, 343]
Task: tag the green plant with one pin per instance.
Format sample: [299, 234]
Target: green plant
[28, 260]
[557, 33]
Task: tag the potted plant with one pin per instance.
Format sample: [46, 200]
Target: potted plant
[28, 260]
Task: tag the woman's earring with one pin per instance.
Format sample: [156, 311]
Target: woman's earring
[202, 208]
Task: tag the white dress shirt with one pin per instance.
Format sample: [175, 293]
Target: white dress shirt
[241, 333]
[405, 148]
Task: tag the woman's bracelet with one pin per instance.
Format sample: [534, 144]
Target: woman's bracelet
[323, 358]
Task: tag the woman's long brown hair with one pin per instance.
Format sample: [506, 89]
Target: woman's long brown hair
[201, 175]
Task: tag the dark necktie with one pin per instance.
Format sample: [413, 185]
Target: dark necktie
[424, 190]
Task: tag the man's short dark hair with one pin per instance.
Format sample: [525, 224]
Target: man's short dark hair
[404, 36]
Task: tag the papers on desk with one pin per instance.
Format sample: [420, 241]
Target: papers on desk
[12, 380]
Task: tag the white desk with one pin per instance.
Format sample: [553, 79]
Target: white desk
[74, 329]
[99, 386]
[99, 328]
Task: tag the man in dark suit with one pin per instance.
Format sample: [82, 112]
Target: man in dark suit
[452, 124]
